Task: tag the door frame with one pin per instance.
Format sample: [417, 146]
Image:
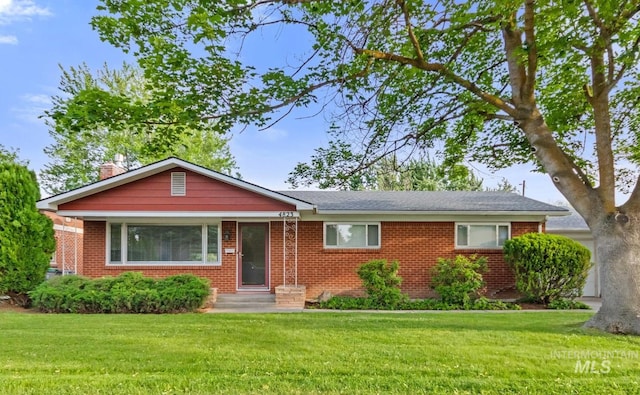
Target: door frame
[267, 255]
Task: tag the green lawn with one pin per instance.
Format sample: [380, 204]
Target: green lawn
[518, 353]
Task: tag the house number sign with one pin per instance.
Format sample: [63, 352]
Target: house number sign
[286, 214]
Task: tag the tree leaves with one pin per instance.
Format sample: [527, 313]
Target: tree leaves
[99, 115]
[404, 77]
[26, 236]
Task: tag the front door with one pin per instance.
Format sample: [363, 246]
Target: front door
[253, 265]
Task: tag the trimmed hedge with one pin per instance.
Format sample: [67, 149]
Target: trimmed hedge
[130, 292]
[548, 267]
[355, 303]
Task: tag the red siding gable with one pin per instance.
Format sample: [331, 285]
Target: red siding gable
[154, 194]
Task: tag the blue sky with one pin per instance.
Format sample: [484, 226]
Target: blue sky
[38, 35]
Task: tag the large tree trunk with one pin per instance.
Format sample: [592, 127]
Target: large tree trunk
[617, 240]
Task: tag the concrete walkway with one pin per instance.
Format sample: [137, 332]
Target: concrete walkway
[249, 310]
[594, 303]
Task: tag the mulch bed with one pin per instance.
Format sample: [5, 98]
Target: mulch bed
[6, 306]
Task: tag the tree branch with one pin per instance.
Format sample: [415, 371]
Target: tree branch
[412, 37]
[517, 73]
[599, 101]
[633, 203]
[624, 67]
[567, 177]
[295, 98]
[532, 55]
[441, 69]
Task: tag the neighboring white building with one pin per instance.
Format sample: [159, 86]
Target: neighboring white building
[574, 227]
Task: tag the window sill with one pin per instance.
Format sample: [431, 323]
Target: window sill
[344, 250]
[473, 249]
[162, 265]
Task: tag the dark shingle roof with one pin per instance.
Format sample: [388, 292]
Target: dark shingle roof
[570, 222]
[424, 201]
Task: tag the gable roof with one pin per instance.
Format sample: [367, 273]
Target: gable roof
[337, 202]
[52, 202]
[571, 222]
[356, 202]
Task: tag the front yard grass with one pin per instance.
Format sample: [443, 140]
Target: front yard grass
[309, 353]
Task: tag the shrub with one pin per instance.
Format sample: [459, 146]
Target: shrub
[382, 283]
[548, 267]
[182, 292]
[351, 303]
[347, 303]
[483, 303]
[59, 294]
[458, 281]
[26, 236]
[130, 292]
[565, 304]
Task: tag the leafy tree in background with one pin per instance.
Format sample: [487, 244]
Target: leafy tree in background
[26, 236]
[76, 154]
[504, 186]
[388, 174]
[9, 155]
[498, 82]
[424, 175]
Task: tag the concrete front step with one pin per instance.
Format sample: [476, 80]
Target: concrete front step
[248, 301]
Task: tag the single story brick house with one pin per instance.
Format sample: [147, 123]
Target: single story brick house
[174, 217]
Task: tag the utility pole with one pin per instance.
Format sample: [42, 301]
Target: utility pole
[524, 183]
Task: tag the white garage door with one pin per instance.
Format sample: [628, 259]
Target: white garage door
[591, 288]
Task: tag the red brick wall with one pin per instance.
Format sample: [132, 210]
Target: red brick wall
[153, 193]
[416, 245]
[222, 277]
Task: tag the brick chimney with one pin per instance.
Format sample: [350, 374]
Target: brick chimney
[111, 169]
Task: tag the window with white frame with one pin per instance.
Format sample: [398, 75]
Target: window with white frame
[163, 244]
[482, 235]
[352, 235]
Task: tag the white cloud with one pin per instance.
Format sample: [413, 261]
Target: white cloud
[39, 98]
[13, 40]
[18, 10]
[32, 106]
[272, 134]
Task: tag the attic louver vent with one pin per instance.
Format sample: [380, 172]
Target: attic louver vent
[178, 184]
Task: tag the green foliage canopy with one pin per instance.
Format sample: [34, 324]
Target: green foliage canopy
[10, 155]
[474, 79]
[85, 136]
[389, 174]
[26, 236]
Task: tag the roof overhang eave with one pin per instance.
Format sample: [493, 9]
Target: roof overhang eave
[456, 212]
